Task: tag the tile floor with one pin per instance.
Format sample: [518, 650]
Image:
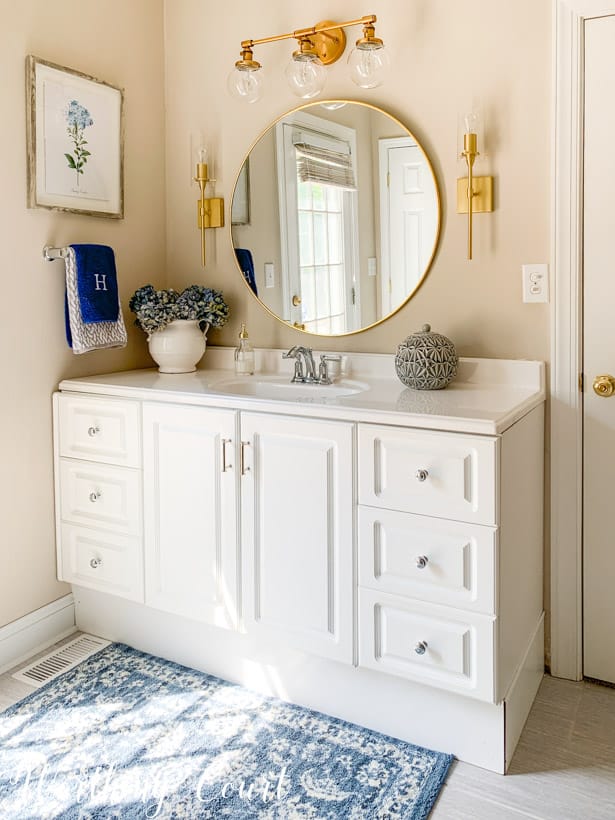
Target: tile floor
[563, 769]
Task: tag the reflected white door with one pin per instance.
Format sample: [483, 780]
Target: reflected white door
[599, 350]
[408, 218]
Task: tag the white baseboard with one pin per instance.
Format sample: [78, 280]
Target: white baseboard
[524, 687]
[26, 636]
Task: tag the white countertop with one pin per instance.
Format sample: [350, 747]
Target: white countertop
[488, 396]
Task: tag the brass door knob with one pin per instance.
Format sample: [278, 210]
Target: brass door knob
[604, 385]
[296, 300]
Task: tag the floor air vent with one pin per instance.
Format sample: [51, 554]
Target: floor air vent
[60, 660]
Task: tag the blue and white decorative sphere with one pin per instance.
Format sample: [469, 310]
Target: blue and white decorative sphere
[426, 360]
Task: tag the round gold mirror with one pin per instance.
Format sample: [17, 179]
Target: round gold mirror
[335, 217]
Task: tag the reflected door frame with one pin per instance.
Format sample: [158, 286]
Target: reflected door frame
[287, 186]
[566, 335]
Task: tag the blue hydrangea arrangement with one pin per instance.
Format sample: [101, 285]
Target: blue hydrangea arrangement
[154, 309]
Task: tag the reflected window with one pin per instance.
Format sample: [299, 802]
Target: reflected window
[318, 207]
[321, 257]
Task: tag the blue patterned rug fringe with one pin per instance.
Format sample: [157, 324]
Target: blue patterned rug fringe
[130, 736]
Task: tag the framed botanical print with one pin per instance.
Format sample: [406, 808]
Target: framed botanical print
[75, 141]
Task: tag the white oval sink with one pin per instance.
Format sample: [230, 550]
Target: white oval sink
[278, 387]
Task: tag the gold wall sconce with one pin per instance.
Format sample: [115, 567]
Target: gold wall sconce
[318, 46]
[210, 210]
[474, 193]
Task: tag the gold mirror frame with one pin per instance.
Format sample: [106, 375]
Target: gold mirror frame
[437, 231]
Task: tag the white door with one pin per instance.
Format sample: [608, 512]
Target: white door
[408, 217]
[599, 350]
[190, 518]
[297, 532]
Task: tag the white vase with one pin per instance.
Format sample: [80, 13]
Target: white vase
[178, 347]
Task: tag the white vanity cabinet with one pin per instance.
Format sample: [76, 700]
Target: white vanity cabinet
[376, 556]
[190, 504]
[99, 520]
[297, 532]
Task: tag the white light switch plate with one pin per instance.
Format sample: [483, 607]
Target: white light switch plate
[535, 283]
[269, 275]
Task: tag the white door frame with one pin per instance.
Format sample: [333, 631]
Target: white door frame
[566, 335]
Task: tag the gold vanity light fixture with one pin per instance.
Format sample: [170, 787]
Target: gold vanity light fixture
[474, 194]
[318, 46]
[210, 211]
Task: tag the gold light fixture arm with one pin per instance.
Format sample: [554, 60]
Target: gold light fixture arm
[474, 194]
[470, 153]
[319, 28]
[210, 211]
[328, 39]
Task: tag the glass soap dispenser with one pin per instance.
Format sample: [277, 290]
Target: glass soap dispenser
[244, 354]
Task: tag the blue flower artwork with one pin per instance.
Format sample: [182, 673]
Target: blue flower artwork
[78, 118]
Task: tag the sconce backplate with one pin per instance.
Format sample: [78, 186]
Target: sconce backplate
[328, 45]
[482, 201]
[214, 212]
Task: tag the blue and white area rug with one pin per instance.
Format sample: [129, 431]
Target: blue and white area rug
[127, 735]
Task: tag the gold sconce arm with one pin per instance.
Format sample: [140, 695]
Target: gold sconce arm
[474, 194]
[210, 211]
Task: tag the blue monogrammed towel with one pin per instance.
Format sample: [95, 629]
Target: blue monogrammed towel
[92, 308]
[246, 263]
[96, 283]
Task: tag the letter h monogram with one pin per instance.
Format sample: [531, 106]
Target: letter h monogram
[101, 281]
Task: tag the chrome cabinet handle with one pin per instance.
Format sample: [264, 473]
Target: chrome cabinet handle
[242, 458]
[93, 431]
[225, 465]
[94, 496]
[421, 475]
[95, 563]
[421, 561]
[421, 648]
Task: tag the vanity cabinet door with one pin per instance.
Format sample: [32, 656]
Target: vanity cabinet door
[297, 532]
[190, 506]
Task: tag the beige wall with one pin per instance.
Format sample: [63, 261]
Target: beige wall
[122, 43]
[436, 76]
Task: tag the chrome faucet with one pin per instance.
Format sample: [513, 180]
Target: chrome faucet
[305, 369]
[310, 367]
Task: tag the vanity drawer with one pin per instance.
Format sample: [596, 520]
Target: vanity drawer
[104, 561]
[445, 562]
[448, 475]
[105, 430]
[437, 645]
[101, 496]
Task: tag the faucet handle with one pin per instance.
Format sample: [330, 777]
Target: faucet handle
[323, 370]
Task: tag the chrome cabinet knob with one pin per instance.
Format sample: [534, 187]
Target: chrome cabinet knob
[421, 475]
[421, 561]
[93, 431]
[421, 648]
[95, 563]
[94, 496]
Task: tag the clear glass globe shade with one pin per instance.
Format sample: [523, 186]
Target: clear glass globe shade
[246, 84]
[368, 66]
[305, 75]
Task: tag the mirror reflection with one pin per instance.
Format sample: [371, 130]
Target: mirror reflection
[335, 217]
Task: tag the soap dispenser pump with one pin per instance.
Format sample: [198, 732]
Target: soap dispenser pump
[244, 354]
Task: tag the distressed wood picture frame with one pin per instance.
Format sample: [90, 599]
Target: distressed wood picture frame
[240, 209]
[75, 141]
